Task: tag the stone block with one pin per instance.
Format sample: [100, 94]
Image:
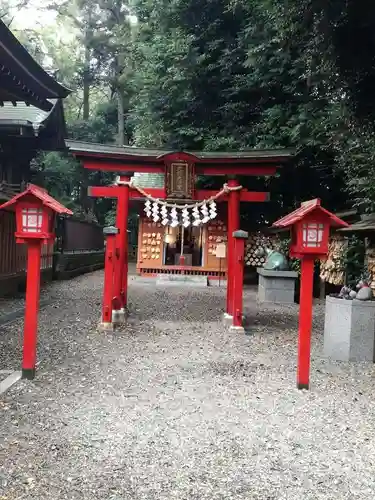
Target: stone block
[349, 329]
[276, 286]
[181, 280]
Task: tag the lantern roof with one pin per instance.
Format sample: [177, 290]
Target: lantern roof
[306, 208]
[42, 195]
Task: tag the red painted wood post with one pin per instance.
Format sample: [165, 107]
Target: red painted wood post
[109, 269]
[305, 321]
[238, 271]
[34, 248]
[121, 252]
[125, 249]
[233, 225]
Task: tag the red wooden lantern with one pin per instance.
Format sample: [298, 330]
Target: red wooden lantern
[35, 221]
[35, 214]
[310, 226]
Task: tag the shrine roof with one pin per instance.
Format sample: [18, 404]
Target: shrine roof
[43, 196]
[366, 224]
[22, 78]
[131, 152]
[306, 208]
[29, 121]
[149, 180]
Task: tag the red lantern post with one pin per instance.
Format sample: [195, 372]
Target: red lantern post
[310, 227]
[35, 221]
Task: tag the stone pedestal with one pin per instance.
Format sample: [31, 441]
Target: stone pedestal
[349, 329]
[276, 286]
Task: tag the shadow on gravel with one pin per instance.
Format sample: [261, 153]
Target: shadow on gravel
[280, 320]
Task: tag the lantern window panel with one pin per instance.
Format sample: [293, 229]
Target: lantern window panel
[312, 235]
[32, 220]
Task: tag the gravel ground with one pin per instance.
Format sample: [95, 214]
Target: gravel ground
[176, 407]
[17, 302]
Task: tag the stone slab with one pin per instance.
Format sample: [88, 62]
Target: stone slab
[182, 279]
[9, 381]
[277, 274]
[349, 330]
[217, 283]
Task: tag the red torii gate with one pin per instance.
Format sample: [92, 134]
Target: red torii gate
[129, 160]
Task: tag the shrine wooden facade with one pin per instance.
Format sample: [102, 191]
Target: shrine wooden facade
[159, 248]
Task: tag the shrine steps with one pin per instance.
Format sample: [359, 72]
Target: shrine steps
[181, 280]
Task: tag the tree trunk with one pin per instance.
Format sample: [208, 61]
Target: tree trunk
[86, 85]
[121, 140]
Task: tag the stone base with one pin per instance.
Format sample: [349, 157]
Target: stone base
[119, 316]
[227, 319]
[105, 327]
[237, 329]
[349, 329]
[276, 286]
[217, 283]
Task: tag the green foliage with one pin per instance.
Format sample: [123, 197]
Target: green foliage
[224, 75]
[354, 260]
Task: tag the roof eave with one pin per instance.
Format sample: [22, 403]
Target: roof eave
[30, 78]
[101, 151]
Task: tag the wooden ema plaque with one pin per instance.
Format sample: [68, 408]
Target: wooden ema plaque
[179, 182]
[216, 244]
[221, 251]
[151, 243]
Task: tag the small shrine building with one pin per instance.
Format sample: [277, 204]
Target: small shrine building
[182, 229]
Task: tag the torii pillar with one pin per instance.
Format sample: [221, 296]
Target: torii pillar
[233, 225]
[120, 278]
[121, 269]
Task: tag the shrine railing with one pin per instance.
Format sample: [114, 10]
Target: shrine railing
[180, 270]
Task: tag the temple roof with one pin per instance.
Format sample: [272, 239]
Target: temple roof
[27, 121]
[131, 152]
[22, 78]
[366, 224]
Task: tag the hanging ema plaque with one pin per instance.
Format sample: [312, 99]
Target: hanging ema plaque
[179, 181]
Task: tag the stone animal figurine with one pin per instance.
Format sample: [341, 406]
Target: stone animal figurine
[364, 291]
[275, 260]
[346, 293]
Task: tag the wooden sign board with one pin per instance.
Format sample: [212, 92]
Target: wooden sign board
[179, 181]
[221, 251]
